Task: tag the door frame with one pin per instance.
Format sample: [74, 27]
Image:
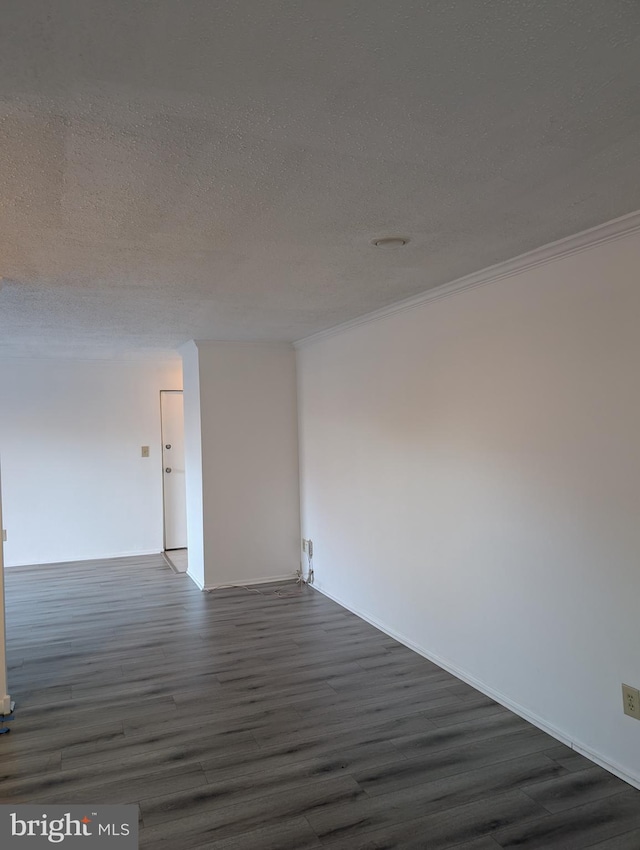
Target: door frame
[5, 699]
[164, 521]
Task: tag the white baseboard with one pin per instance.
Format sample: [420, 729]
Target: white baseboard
[564, 738]
[75, 559]
[195, 580]
[247, 582]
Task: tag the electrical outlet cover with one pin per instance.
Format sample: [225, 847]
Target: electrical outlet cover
[631, 701]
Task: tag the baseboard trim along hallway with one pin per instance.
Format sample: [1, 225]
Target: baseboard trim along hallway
[521, 711]
[256, 718]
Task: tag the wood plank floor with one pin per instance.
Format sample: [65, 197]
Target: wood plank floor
[257, 720]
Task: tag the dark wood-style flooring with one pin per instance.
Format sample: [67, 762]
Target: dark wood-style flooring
[251, 720]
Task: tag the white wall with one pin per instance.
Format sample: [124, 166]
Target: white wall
[74, 483]
[471, 482]
[249, 449]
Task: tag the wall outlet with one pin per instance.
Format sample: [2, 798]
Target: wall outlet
[631, 701]
[145, 451]
[4, 535]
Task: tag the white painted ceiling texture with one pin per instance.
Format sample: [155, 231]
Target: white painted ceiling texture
[178, 169]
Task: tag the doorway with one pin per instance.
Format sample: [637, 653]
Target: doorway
[173, 478]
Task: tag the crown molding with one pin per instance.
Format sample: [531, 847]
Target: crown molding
[238, 343]
[583, 241]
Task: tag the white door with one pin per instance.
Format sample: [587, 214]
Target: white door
[175, 497]
[5, 699]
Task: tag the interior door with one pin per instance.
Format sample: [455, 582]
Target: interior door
[5, 700]
[175, 497]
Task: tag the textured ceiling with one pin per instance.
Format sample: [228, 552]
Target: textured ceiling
[178, 169]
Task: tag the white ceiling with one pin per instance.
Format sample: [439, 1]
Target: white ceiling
[210, 169]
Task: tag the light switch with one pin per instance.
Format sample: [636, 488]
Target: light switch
[145, 451]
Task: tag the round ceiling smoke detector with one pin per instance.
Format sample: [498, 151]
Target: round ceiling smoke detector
[390, 242]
